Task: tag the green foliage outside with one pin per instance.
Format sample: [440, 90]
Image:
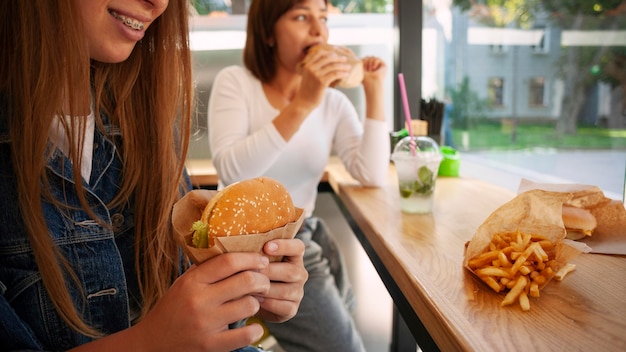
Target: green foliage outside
[346, 6]
[467, 105]
[496, 136]
[207, 6]
[363, 6]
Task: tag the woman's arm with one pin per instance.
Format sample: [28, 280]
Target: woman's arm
[374, 71]
[365, 150]
[243, 140]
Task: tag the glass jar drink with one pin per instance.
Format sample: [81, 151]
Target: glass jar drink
[417, 167]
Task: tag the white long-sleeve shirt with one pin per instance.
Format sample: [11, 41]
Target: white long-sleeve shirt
[245, 143]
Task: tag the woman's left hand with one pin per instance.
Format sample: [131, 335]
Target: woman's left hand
[374, 70]
[287, 279]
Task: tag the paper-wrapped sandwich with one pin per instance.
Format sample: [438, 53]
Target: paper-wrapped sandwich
[589, 216]
[242, 217]
[355, 76]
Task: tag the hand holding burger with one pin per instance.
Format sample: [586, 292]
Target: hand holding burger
[355, 75]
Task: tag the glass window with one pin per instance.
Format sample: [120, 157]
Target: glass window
[537, 87]
[496, 88]
[537, 91]
[523, 79]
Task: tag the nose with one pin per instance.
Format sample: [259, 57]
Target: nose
[316, 27]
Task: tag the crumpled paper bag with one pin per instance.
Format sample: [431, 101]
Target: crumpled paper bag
[533, 212]
[189, 209]
[609, 237]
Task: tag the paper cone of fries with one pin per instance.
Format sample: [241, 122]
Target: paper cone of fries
[521, 246]
[189, 209]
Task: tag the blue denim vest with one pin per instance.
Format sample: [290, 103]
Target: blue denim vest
[103, 258]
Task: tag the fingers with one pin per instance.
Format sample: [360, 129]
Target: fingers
[285, 247]
[372, 63]
[236, 338]
[284, 297]
[287, 280]
[291, 268]
[225, 265]
[326, 66]
[195, 312]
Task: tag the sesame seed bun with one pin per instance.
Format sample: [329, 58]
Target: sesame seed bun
[355, 77]
[578, 222]
[252, 206]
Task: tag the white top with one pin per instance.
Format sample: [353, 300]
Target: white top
[59, 137]
[245, 144]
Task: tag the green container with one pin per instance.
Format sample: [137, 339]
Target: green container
[450, 163]
[396, 136]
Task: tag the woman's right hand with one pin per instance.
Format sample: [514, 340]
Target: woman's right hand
[195, 312]
[319, 70]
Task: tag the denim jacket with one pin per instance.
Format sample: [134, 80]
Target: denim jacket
[102, 258]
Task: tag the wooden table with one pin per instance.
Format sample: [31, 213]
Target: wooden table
[419, 258]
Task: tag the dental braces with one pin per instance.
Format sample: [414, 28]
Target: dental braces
[129, 22]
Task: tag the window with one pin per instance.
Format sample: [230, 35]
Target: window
[496, 88]
[531, 85]
[543, 47]
[537, 91]
[560, 75]
[497, 49]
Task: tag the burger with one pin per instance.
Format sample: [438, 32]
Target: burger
[354, 78]
[253, 206]
[578, 222]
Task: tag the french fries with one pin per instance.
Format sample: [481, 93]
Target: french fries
[566, 269]
[518, 264]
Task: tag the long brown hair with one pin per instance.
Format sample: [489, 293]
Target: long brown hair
[44, 64]
[258, 54]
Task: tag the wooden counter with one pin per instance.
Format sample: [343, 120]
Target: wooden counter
[419, 257]
[203, 173]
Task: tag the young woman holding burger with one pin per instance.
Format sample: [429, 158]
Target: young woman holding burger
[94, 124]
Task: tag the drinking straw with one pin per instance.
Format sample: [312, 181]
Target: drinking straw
[407, 111]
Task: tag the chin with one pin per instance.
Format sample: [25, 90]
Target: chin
[119, 53]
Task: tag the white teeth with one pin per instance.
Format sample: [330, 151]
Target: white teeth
[130, 22]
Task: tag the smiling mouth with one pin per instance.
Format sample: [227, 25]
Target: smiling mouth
[128, 22]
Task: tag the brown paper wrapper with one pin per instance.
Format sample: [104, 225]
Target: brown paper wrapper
[534, 212]
[189, 209]
[609, 237]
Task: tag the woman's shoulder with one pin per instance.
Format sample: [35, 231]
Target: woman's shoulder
[235, 72]
[236, 78]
